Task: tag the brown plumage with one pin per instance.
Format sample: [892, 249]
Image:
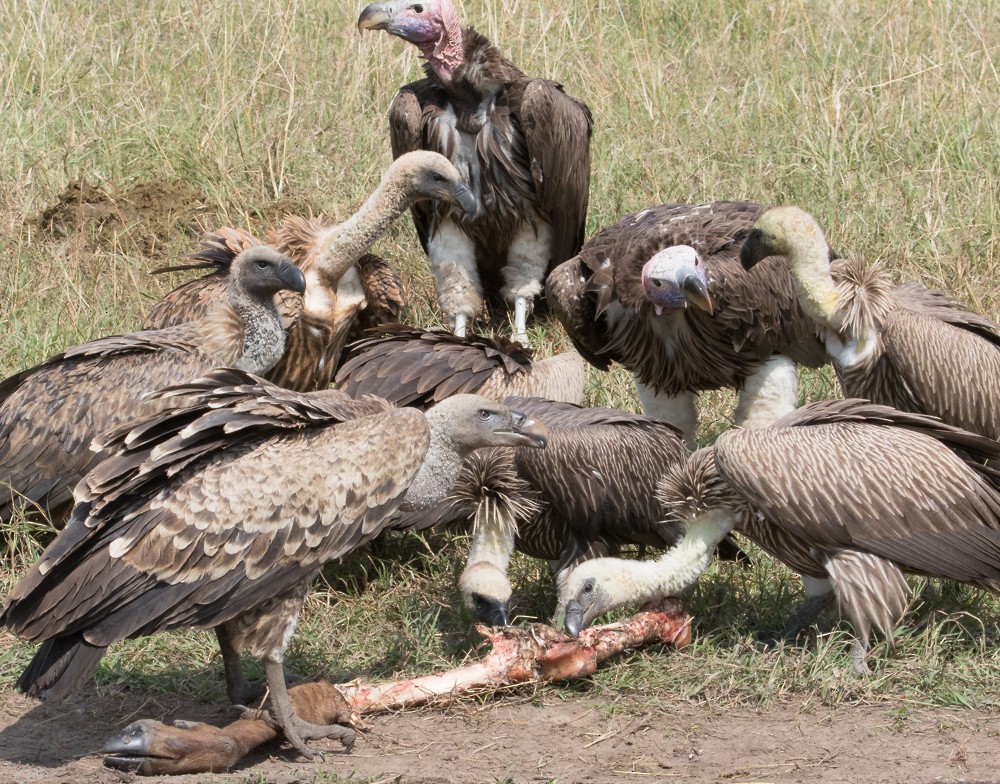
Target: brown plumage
[347, 288]
[220, 512]
[847, 490]
[50, 413]
[904, 346]
[719, 324]
[521, 143]
[420, 367]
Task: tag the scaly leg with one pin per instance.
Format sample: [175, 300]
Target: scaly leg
[456, 278]
[527, 261]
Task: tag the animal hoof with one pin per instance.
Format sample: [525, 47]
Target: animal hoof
[129, 749]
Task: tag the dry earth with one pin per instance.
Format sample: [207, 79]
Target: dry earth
[545, 738]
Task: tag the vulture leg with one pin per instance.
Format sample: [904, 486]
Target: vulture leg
[456, 279]
[768, 394]
[527, 263]
[679, 410]
[237, 688]
[819, 596]
[282, 715]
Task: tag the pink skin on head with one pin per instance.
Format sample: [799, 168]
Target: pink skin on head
[674, 277]
[433, 26]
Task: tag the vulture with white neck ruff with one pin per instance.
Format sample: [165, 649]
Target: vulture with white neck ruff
[343, 280]
[50, 413]
[522, 145]
[218, 514]
[903, 346]
[662, 292]
[845, 490]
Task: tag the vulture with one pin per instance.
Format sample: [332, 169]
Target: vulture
[663, 293]
[845, 490]
[902, 346]
[420, 367]
[219, 512]
[521, 143]
[50, 413]
[342, 279]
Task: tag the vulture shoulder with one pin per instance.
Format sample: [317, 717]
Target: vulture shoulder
[850, 474]
[180, 526]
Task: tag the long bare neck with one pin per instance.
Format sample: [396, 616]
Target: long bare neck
[445, 54]
[263, 333]
[816, 290]
[492, 542]
[438, 473]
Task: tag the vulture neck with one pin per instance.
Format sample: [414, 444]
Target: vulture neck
[439, 472]
[446, 54]
[679, 567]
[244, 332]
[810, 265]
[340, 246]
[492, 543]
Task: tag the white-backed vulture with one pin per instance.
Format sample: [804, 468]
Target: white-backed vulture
[521, 143]
[903, 346]
[50, 413]
[218, 514]
[662, 292]
[342, 279]
[420, 367]
[845, 490]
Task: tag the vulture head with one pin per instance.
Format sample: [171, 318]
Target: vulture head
[432, 26]
[469, 422]
[486, 592]
[261, 272]
[794, 233]
[429, 175]
[674, 278]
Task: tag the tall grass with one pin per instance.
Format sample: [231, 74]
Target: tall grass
[880, 118]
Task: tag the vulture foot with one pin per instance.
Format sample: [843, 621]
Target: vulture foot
[801, 619]
[256, 690]
[150, 748]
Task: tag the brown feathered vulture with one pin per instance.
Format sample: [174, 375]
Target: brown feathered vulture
[342, 279]
[521, 143]
[662, 292]
[903, 346]
[219, 513]
[419, 367]
[50, 413]
[845, 490]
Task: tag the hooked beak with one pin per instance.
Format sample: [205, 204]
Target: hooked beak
[466, 200]
[292, 277]
[754, 249]
[573, 620]
[491, 611]
[377, 16]
[696, 292]
[528, 432]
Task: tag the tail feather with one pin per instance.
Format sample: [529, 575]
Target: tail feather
[60, 667]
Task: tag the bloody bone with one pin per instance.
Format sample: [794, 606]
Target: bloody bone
[519, 655]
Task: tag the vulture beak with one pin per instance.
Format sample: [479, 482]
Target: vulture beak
[292, 277]
[465, 199]
[574, 618]
[377, 16]
[528, 432]
[754, 249]
[491, 611]
[696, 292]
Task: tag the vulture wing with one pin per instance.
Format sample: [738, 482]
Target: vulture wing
[557, 131]
[211, 510]
[850, 475]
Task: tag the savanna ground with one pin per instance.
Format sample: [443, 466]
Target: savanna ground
[125, 131]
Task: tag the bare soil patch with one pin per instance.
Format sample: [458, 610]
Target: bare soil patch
[540, 738]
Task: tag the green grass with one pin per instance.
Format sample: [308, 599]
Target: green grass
[880, 118]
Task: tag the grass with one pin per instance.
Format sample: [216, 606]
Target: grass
[880, 118]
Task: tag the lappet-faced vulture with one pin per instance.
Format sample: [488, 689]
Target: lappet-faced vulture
[662, 292]
[420, 367]
[219, 513]
[845, 490]
[50, 413]
[343, 280]
[521, 143]
[903, 346]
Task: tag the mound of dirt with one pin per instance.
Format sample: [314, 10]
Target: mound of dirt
[145, 219]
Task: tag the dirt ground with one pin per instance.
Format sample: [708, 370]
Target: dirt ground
[543, 738]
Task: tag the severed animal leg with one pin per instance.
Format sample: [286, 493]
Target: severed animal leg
[456, 278]
[282, 716]
[527, 262]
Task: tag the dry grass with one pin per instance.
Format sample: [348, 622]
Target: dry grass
[881, 118]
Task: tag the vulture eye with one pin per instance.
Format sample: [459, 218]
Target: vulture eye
[437, 177]
[418, 9]
[484, 414]
[588, 587]
[261, 264]
[658, 283]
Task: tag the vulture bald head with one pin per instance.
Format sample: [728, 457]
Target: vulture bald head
[423, 23]
[429, 175]
[486, 592]
[260, 272]
[471, 422]
[674, 278]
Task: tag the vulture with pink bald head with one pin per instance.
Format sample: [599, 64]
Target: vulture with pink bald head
[522, 145]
